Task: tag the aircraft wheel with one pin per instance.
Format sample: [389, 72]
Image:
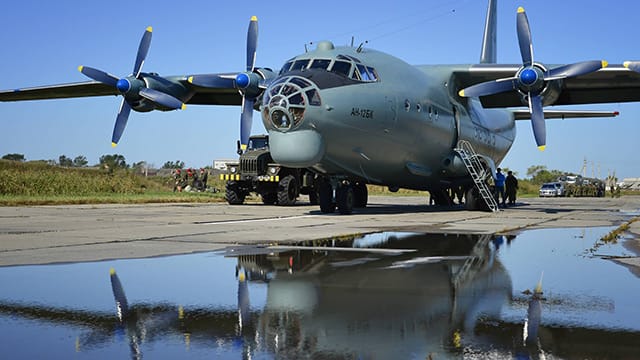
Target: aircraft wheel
[345, 198]
[313, 196]
[325, 196]
[234, 195]
[360, 195]
[287, 191]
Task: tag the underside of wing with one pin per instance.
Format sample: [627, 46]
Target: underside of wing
[524, 114]
[60, 91]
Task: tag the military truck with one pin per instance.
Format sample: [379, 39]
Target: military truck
[257, 172]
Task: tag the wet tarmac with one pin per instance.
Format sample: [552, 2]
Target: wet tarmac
[543, 293]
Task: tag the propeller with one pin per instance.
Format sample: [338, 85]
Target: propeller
[132, 88]
[122, 306]
[531, 78]
[248, 83]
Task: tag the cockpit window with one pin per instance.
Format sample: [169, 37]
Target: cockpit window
[345, 65]
[300, 64]
[320, 64]
[341, 67]
[366, 73]
[286, 67]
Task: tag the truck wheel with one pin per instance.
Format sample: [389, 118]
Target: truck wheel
[360, 195]
[234, 195]
[269, 198]
[325, 196]
[287, 191]
[344, 199]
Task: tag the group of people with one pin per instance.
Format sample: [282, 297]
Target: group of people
[506, 188]
[190, 179]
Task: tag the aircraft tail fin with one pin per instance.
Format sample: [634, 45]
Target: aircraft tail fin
[488, 54]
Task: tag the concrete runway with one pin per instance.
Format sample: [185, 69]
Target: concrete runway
[75, 233]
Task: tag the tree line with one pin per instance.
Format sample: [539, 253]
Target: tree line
[108, 161]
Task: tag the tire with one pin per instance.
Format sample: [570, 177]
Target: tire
[234, 195]
[313, 197]
[269, 198]
[360, 195]
[325, 197]
[344, 199]
[287, 191]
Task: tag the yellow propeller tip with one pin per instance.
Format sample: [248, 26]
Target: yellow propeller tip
[626, 64]
[80, 68]
[461, 93]
[254, 18]
[542, 147]
[190, 79]
[183, 107]
[243, 147]
[149, 29]
[112, 271]
[114, 144]
[520, 9]
[605, 63]
[242, 277]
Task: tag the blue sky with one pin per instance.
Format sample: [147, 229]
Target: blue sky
[44, 42]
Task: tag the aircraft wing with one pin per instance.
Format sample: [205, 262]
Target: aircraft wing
[612, 84]
[222, 93]
[60, 91]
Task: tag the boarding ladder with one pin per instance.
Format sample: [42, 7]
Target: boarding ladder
[477, 172]
[475, 262]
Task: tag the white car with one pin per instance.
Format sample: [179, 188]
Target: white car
[552, 189]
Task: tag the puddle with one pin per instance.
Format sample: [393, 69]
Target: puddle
[386, 295]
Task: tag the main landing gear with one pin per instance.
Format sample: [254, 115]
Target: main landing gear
[345, 195]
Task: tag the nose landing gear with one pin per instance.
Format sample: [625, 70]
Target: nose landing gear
[345, 195]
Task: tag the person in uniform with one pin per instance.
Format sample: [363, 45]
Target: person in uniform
[499, 183]
[511, 187]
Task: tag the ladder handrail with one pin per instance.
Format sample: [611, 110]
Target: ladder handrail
[477, 171]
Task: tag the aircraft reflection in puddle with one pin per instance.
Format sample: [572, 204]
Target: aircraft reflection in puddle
[329, 301]
[380, 296]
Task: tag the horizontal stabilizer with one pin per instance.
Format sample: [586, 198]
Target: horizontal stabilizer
[524, 114]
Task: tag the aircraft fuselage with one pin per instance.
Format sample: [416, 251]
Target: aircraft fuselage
[363, 114]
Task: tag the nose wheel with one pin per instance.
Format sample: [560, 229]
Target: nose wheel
[341, 194]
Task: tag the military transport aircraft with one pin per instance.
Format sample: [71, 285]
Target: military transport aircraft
[356, 116]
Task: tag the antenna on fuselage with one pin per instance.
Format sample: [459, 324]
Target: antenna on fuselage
[352, 40]
[489, 54]
[359, 49]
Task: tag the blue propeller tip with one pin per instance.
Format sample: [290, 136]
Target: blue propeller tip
[123, 85]
[242, 80]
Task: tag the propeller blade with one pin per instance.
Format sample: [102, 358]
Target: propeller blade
[252, 43]
[246, 120]
[537, 121]
[216, 81]
[632, 65]
[490, 87]
[121, 122]
[576, 69]
[98, 75]
[122, 306]
[143, 50]
[244, 305]
[161, 98]
[524, 37]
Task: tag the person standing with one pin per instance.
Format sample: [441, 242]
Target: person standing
[499, 182]
[511, 187]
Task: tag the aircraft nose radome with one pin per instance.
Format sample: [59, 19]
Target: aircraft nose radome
[301, 148]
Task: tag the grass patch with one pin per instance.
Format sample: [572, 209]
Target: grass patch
[38, 183]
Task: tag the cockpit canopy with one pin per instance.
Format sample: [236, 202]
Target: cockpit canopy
[345, 65]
